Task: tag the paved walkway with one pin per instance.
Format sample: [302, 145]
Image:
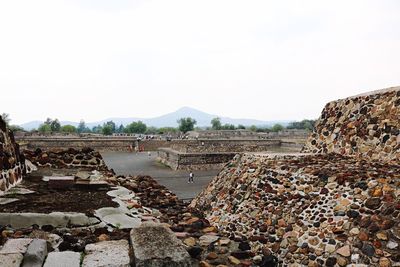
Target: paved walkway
[141, 163]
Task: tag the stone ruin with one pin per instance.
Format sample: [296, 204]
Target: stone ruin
[12, 162]
[336, 206]
[315, 209]
[366, 126]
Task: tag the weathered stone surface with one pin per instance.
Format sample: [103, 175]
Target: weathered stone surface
[107, 253]
[6, 200]
[117, 218]
[57, 219]
[12, 163]
[67, 158]
[63, 259]
[18, 245]
[35, 254]
[11, 260]
[279, 206]
[366, 126]
[155, 245]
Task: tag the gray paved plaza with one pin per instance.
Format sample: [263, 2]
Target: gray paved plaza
[141, 163]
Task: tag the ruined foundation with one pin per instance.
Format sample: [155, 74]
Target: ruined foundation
[336, 206]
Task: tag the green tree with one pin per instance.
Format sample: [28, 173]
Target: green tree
[111, 124]
[304, 124]
[277, 127]
[55, 125]
[107, 129]
[240, 126]
[68, 129]
[151, 130]
[186, 124]
[44, 128]
[97, 129]
[120, 129]
[167, 130]
[82, 127]
[253, 128]
[216, 123]
[136, 127]
[228, 126]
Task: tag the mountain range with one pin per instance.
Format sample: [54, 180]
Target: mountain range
[170, 119]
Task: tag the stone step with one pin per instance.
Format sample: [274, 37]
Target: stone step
[35, 254]
[63, 259]
[107, 253]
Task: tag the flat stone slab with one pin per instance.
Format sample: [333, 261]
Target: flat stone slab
[19, 191]
[18, 245]
[83, 174]
[6, 200]
[56, 219]
[121, 221]
[11, 260]
[154, 245]
[35, 254]
[121, 193]
[63, 259]
[107, 253]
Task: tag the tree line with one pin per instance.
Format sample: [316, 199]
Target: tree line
[138, 127]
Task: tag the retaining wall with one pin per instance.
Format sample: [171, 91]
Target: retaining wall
[12, 163]
[194, 161]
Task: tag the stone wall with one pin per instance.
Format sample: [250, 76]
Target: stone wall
[309, 210]
[99, 144]
[366, 126]
[247, 134]
[67, 158]
[193, 161]
[12, 163]
[230, 146]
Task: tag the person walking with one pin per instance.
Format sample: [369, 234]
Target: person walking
[191, 176]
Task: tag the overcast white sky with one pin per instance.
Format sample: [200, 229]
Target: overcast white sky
[266, 60]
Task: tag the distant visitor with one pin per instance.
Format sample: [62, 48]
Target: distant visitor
[191, 176]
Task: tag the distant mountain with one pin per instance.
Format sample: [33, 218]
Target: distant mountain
[203, 119]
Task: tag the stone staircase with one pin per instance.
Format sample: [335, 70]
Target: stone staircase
[151, 244]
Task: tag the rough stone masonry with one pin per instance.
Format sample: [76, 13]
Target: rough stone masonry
[337, 207]
[366, 126]
[12, 163]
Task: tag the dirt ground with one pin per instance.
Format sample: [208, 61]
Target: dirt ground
[46, 200]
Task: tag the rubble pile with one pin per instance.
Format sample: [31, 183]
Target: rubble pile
[311, 210]
[12, 163]
[366, 126]
[67, 158]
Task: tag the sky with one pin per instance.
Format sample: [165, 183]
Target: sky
[267, 60]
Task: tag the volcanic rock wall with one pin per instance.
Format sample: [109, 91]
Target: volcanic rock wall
[67, 158]
[315, 210]
[12, 163]
[365, 126]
